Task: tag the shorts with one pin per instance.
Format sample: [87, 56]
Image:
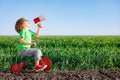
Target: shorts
[31, 52]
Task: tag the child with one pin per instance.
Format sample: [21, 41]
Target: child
[25, 38]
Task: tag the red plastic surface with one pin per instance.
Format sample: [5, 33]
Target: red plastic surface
[15, 68]
[46, 61]
[23, 65]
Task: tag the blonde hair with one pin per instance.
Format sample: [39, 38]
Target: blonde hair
[18, 25]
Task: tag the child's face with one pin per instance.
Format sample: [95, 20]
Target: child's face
[25, 24]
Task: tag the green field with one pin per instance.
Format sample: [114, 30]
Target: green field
[67, 52]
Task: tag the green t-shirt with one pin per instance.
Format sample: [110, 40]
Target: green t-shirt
[27, 36]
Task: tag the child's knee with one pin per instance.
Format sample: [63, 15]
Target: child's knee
[39, 52]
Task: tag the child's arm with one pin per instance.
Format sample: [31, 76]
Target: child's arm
[27, 43]
[38, 30]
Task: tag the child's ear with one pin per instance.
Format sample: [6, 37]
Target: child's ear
[21, 27]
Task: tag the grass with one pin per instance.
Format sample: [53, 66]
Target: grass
[67, 52]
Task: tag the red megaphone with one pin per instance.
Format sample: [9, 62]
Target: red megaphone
[39, 19]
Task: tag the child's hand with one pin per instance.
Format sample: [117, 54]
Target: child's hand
[34, 44]
[39, 25]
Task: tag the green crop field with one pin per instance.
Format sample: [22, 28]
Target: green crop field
[67, 52]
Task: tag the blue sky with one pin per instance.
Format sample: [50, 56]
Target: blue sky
[64, 17]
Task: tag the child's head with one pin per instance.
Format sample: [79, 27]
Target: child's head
[21, 24]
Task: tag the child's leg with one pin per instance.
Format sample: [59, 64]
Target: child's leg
[32, 51]
[37, 55]
[36, 62]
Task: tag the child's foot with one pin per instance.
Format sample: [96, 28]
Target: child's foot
[40, 67]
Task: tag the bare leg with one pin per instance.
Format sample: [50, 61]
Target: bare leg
[36, 63]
